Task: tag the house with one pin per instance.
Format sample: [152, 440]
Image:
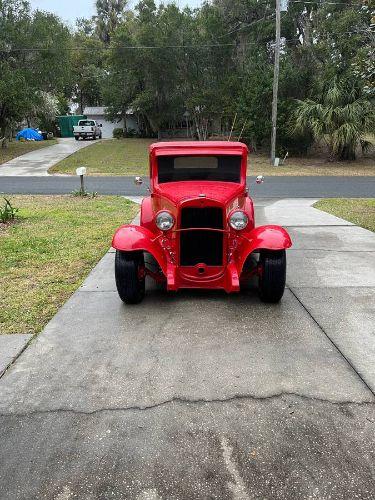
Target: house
[98, 113]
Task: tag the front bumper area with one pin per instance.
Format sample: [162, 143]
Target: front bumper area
[215, 277]
[164, 249]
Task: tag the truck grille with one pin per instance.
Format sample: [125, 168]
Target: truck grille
[201, 247]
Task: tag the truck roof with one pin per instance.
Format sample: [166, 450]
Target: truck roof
[198, 148]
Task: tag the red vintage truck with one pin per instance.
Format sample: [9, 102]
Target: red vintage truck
[198, 224]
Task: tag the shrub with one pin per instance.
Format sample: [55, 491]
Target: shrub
[84, 193]
[130, 133]
[118, 133]
[7, 212]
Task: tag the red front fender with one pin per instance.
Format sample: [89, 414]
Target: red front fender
[130, 238]
[264, 238]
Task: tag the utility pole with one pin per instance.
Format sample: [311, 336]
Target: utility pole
[275, 83]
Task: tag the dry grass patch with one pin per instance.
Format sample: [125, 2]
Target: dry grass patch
[49, 250]
[260, 164]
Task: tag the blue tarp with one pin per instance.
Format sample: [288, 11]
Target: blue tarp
[29, 134]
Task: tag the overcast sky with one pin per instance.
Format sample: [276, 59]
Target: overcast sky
[69, 10]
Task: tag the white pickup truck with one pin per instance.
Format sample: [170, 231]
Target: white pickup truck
[87, 128]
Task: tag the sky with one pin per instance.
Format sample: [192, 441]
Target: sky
[69, 10]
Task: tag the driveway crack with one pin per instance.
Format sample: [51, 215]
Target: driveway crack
[188, 401]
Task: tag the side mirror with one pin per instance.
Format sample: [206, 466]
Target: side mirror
[259, 179]
[138, 180]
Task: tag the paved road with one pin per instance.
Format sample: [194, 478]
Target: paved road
[200, 395]
[273, 187]
[38, 162]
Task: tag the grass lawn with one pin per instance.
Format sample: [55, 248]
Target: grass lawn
[49, 251]
[360, 211]
[18, 148]
[130, 157]
[109, 157]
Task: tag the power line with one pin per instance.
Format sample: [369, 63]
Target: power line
[265, 18]
[137, 47]
[126, 47]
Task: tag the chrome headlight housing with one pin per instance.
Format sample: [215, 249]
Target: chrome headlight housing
[238, 220]
[164, 220]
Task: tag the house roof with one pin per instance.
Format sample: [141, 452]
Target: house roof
[94, 110]
[100, 110]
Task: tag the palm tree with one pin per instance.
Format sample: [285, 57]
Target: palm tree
[109, 14]
[341, 117]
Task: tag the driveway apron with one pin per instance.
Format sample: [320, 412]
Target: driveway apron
[202, 394]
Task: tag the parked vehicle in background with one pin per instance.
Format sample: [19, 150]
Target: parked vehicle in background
[87, 129]
[198, 225]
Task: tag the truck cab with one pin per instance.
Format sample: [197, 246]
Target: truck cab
[87, 129]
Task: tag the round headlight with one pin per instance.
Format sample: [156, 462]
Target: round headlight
[164, 221]
[238, 220]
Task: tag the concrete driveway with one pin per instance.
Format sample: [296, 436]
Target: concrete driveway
[38, 162]
[202, 395]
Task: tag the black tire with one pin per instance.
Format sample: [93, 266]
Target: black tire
[129, 274]
[272, 277]
[94, 137]
[100, 136]
[76, 138]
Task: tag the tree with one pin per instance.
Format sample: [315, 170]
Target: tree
[34, 62]
[214, 65]
[109, 15]
[341, 117]
[88, 70]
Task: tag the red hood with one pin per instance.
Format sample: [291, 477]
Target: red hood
[221, 192]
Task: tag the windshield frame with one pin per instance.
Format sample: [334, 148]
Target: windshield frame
[191, 174]
[195, 148]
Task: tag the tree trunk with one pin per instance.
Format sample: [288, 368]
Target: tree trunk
[3, 137]
[347, 154]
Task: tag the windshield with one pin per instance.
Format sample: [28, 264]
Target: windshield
[199, 168]
[86, 123]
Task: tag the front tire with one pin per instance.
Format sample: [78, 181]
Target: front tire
[130, 276]
[272, 275]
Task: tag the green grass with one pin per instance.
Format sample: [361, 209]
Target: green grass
[130, 157]
[109, 157]
[360, 211]
[48, 252]
[18, 148]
